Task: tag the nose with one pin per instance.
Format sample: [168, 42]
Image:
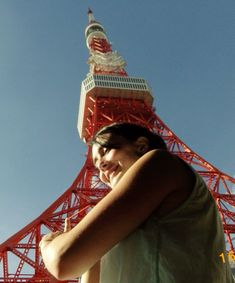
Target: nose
[103, 164]
[103, 167]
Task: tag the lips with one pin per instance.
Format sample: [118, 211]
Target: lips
[111, 172]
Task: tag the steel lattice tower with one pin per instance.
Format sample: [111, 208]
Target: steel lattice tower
[108, 95]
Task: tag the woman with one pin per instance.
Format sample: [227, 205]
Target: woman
[159, 223]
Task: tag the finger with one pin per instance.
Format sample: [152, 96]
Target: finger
[49, 237]
[52, 235]
[67, 225]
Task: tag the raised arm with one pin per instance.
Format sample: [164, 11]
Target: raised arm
[143, 188]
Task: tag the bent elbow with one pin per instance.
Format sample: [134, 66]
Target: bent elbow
[64, 270]
[64, 263]
[55, 264]
[57, 270]
[60, 273]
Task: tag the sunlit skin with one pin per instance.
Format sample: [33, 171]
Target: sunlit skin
[135, 174]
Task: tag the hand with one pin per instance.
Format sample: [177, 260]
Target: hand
[47, 239]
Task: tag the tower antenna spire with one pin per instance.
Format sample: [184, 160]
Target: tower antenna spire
[102, 60]
[91, 17]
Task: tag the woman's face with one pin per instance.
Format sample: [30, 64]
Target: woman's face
[113, 163]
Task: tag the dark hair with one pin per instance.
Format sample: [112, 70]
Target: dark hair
[131, 132]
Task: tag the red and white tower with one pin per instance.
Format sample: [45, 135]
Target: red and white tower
[108, 95]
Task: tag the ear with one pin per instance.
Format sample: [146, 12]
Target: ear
[142, 145]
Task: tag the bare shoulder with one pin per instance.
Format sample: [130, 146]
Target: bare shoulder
[164, 176]
[170, 178]
[162, 157]
[160, 164]
[173, 166]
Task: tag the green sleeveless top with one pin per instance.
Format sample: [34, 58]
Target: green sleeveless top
[184, 246]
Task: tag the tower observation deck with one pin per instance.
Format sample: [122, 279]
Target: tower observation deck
[107, 81]
[108, 95]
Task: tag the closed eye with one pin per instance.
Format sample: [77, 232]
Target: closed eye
[105, 150]
[101, 152]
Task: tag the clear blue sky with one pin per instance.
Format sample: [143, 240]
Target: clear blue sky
[185, 49]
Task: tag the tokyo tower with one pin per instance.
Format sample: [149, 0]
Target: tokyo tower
[108, 95]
